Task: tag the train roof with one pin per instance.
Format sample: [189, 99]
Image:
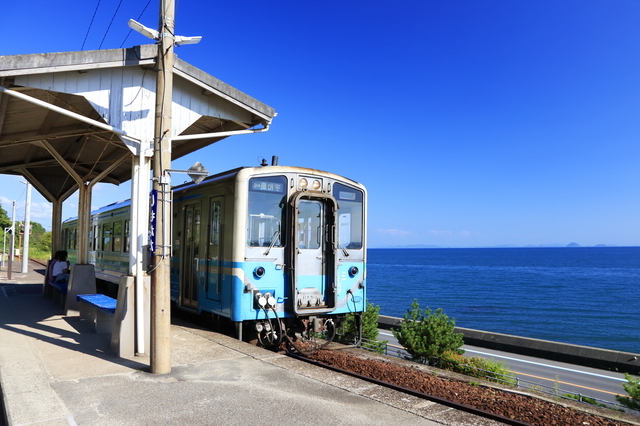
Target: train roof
[219, 176]
[107, 208]
[265, 169]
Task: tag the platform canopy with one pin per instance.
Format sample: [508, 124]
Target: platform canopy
[74, 117]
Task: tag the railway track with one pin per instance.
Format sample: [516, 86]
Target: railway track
[502, 406]
[446, 402]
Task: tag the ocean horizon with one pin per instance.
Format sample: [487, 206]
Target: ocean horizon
[558, 245]
[580, 295]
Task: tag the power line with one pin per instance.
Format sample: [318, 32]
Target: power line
[90, 25]
[137, 19]
[109, 27]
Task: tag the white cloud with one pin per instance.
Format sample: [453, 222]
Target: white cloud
[41, 211]
[434, 232]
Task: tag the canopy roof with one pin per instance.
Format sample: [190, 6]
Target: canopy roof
[75, 116]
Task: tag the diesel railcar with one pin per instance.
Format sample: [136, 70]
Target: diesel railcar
[278, 251]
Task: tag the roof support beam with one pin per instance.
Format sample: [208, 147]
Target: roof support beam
[84, 208]
[30, 137]
[60, 159]
[68, 113]
[36, 183]
[219, 134]
[20, 166]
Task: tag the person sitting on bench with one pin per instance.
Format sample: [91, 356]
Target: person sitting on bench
[59, 268]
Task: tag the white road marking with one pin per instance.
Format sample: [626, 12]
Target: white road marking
[547, 365]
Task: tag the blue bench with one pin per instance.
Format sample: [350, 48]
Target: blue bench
[98, 309]
[61, 287]
[59, 292]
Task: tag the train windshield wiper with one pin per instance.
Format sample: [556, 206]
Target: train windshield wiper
[276, 237]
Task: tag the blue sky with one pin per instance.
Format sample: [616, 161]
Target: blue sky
[471, 123]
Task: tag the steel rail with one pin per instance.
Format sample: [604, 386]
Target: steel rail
[457, 406]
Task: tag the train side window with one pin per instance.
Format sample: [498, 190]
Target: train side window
[96, 238]
[117, 236]
[65, 238]
[106, 236]
[72, 239]
[350, 216]
[127, 236]
[267, 199]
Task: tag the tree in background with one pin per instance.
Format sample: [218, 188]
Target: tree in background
[428, 335]
[39, 240]
[5, 220]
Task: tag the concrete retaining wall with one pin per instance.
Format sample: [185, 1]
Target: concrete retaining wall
[604, 359]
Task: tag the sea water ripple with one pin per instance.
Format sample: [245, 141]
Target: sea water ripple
[585, 296]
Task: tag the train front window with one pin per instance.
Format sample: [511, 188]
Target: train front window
[267, 199]
[350, 216]
[309, 224]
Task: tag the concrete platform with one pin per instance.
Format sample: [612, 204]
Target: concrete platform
[54, 371]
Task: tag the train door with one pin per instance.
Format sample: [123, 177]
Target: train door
[313, 253]
[190, 257]
[214, 249]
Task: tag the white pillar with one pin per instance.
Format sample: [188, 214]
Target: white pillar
[27, 228]
[138, 240]
[13, 241]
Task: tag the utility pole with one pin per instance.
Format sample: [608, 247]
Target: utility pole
[27, 228]
[160, 277]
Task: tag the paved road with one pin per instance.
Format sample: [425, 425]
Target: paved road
[550, 376]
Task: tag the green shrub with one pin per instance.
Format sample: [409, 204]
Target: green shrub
[633, 389]
[477, 367]
[427, 335]
[369, 320]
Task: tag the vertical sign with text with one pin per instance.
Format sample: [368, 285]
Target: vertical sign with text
[152, 227]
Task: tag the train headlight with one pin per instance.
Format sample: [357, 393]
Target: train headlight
[353, 271]
[316, 185]
[303, 183]
[259, 272]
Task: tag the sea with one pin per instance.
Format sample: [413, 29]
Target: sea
[586, 296]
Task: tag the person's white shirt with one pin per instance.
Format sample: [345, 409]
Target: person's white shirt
[58, 267]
